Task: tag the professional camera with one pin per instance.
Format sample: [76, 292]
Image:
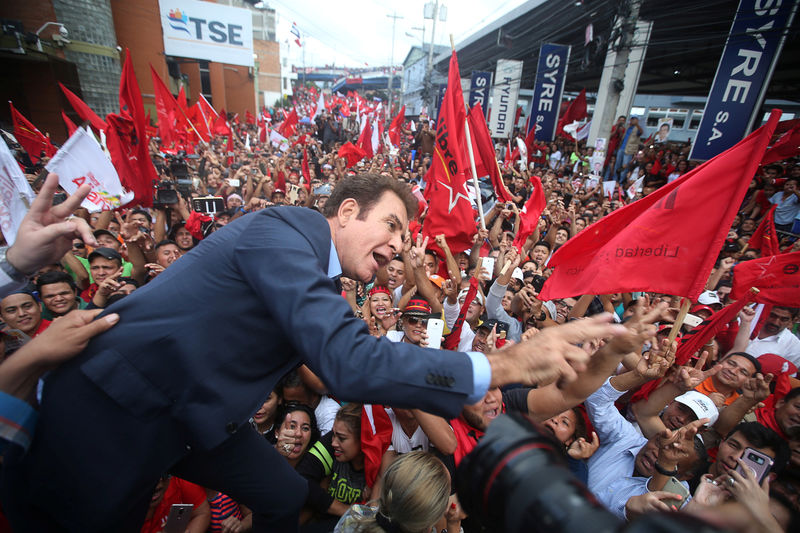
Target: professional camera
[166, 194]
[516, 481]
[177, 165]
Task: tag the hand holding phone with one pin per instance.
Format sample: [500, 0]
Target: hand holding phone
[434, 330]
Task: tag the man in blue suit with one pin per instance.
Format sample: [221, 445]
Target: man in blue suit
[197, 351]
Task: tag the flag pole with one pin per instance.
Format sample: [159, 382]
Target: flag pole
[475, 183]
[676, 326]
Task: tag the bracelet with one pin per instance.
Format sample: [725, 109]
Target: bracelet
[664, 472]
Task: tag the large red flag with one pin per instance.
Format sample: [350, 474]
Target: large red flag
[306, 170]
[166, 109]
[788, 145]
[71, 127]
[351, 153]
[667, 241]
[182, 101]
[765, 238]
[485, 157]
[776, 276]
[126, 138]
[576, 110]
[83, 110]
[449, 212]
[395, 128]
[221, 126]
[29, 137]
[529, 217]
[249, 118]
[364, 141]
[288, 127]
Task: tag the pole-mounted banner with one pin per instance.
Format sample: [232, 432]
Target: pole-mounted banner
[548, 88]
[479, 89]
[504, 97]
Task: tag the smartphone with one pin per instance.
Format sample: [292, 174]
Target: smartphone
[178, 519]
[234, 182]
[208, 204]
[435, 330]
[758, 462]
[488, 264]
[675, 487]
[567, 198]
[692, 320]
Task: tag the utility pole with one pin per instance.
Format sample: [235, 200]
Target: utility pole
[429, 98]
[624, 28]
[394, 18]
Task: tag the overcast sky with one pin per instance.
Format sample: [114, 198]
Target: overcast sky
[355, 32]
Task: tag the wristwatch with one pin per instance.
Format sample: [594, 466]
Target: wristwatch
[9, 269]
[664, 472]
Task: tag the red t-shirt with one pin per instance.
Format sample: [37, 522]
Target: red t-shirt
[178, 491]
[43, 325]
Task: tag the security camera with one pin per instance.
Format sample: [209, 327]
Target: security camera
[63, 31]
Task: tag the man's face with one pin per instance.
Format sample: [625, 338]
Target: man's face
[430, 264]
[732, 449]
[646, 459]
[479, 342]
[21, 312]
[365, 244]
[734, 371]
[508, 297]
[107, 241]
[102, 268]
[474, 311]
[184, 239]
[79, 248]
[677, 415]
[59, 298]
[140, 220]
[397, 275]
[787, 413]
[126, 289]
[778, 320]
[479, 415]
[723, 293]
[539, 254]
[167, 254]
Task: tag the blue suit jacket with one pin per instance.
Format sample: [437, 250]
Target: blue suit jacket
[208, 339]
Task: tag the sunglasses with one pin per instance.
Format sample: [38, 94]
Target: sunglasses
[79, 245]
[413, 321]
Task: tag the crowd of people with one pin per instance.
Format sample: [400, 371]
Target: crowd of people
[687, 445]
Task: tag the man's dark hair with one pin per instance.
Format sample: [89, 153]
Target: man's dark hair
[50, 278]
[763, 437]
[290, 407]
[792, 310]
[701, 465]
[542, 243]
[367, 189]
[792, 394]
[746, 356]
[140, 211]
[290, 380]
[128, 281]
[165, 242]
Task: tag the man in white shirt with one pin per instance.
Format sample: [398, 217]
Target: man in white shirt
[775, 337]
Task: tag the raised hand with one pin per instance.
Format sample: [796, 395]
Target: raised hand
[688, 377]
[581, 449]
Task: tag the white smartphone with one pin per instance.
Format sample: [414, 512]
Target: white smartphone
[488, 264]
[692, 320]
[234, 182]
[435, 330]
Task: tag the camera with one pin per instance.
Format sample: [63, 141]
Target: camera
[516, 480]
[177, 165]
[166, 195]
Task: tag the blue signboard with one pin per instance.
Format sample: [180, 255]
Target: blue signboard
[743, 73]
[548, 89]
[479, 89]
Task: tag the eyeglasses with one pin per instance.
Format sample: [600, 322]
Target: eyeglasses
[79, 245]
[413, 321]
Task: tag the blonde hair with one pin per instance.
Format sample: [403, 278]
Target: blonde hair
[416, 488]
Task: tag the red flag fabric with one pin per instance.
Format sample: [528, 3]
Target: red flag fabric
[194, 224]
[575, 111]
[182, 100]
[376, 435]
[449, 212]
[83, 110]
[696, 339]
[126, 139]
[529, 217]
[485, 157]
[776, 276]
[29, 137]
[667, 241]
[196, 116]
[166, 110]
[788, 145]
[71, 127]
[306, 170]
[395, 128]
[765, 238]
[288, 127]
[364, 141]
[221, 126]
[249, 118]
[454, 337]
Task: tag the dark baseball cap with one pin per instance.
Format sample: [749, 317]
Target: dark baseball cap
[99, 232]
[106, 253]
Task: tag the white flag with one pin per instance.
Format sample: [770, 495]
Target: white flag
[376, 137]
[635, 187]
[247, 143]
[278, 141]
[82, 161]
[16, 194]
[320, 106]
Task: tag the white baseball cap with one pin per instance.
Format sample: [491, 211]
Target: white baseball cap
[700, 404]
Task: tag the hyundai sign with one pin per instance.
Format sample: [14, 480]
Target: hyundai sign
[203, 30]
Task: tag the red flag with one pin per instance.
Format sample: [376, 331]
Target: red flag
[449, 212]
[182, 100]
[249, 118]
[221, 126]
[376, 435]
[306, 170]
[351, 153]
[71, 127]
[126, 139]
[83, 110]
[776, 276]
[395, 128]
[195, 114]
[529, 217]
[765, 238]
[454, 337]
[194, 224]
[576, 110]
[364, 141]
[207, 111]
[788, 145]
[667, 241]
[29, 137]
[485, 157]
[289, 126]
[166, 109]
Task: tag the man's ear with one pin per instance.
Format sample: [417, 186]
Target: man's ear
[348, 210]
